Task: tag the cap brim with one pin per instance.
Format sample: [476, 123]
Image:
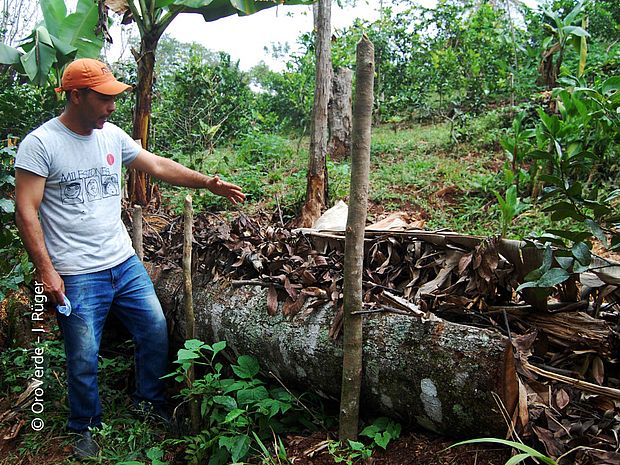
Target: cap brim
[111, 88]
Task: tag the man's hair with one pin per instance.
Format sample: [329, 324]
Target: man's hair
[81, 91]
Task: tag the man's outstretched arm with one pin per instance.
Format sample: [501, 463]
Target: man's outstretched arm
[174, 173]
[28, 195]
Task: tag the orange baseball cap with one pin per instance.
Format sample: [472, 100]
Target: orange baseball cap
[92, 74]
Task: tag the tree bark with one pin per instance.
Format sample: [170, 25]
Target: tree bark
[437, 374]
[354, 243]
[316, 190]
[339, 116]
[139, 184]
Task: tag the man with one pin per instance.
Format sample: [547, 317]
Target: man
[68, 212]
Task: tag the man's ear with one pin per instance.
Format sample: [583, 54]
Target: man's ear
[77, 95]
[74, 96]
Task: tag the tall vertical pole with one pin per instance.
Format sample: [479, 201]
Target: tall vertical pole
[190, 331]
[354, 240]
[136, 236]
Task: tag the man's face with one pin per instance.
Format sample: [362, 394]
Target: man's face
[96, 108]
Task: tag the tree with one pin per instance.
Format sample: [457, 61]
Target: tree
[16, 16]
[152, 18]
[316, 190]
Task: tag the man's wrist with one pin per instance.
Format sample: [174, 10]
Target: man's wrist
[45, 269]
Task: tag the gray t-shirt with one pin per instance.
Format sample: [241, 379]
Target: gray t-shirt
[81, 208]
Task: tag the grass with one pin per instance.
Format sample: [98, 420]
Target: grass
[418, 170]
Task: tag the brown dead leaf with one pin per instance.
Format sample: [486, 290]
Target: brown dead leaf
[523, 343]
[292, 307]
[336, 327]
[117, 6]
[604, 457]
[523, 413]
[314, 292]
[604, 404]
[464, 263]
[272, 300]
[598, 370]
[546, 437]
[290, 290]
[562, 399]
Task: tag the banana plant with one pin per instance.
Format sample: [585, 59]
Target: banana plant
[152, 18]
[57, 40]
[562, 31]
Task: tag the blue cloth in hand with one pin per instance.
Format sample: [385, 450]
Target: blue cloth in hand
[66, 308]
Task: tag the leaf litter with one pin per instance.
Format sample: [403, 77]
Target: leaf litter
[563, 352]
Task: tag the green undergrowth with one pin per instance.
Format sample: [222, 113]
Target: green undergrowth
[424, 171]
[244, 414]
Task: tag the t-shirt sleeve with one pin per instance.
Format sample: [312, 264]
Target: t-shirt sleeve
[130, 147]
[32, 156]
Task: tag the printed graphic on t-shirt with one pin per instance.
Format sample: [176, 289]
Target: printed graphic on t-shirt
[88, 185]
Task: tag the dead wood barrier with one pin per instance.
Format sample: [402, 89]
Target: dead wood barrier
[413, 272]
[437, 374]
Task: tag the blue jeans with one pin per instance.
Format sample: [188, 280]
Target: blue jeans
[127, 290]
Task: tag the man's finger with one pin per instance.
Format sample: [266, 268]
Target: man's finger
[58, 297]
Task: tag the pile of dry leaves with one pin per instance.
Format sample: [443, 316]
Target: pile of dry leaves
[567, 354]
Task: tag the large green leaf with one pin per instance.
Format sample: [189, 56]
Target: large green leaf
[252, 395]
[247, 367]
[64, 52]
[163, 3]
[229, 402]
[572, 16]
[79, 30]
[517, 445]
[39, 59]
[57, 41]
[193, 3]
[611, 84]
[54, 13]
[9, 55]
[576, 31]
[553, 277]
[7, 205]
[212, 10]
[238, 446]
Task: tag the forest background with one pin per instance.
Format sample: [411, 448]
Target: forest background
[532, 91]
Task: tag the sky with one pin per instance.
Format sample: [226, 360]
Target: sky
[245, 38]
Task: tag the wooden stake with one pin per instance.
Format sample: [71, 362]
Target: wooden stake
[136, 236]
[354, 242]
[190, 328]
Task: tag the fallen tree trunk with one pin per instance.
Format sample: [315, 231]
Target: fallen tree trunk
[437, 374]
